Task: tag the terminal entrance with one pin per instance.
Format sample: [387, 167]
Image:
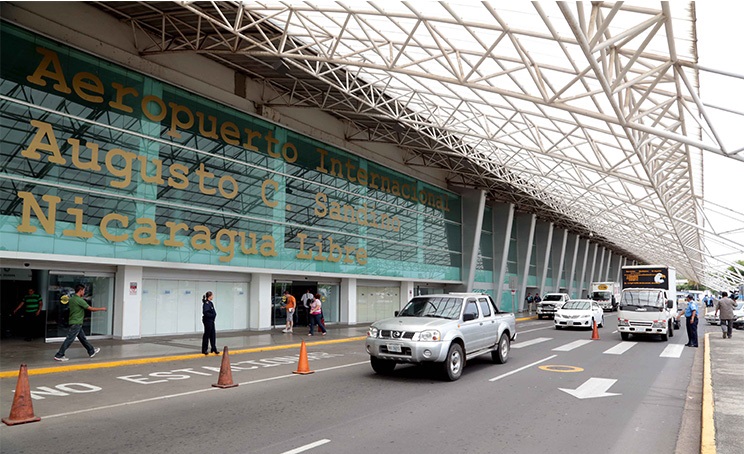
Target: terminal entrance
[51, 323]
[329, 296]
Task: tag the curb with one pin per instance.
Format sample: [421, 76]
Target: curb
[708, 428]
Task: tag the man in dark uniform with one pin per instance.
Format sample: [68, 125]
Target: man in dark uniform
[691, 321]
[32, 305]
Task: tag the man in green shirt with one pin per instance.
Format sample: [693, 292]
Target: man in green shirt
[32, 305]
[77, 306]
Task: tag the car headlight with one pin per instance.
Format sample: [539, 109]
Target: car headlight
[430, 335]
[372, 331]
[557, 315]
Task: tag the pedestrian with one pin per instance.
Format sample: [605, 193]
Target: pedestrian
[537, 298]
[290, 304]
[32, 305]
[306, 299]
[77, 306]
[691, 321]
[529, 300]
[209, 314]
[725, 307]
[316, 311]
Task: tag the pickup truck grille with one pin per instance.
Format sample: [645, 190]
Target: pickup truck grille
[640, 323]
[390, 334]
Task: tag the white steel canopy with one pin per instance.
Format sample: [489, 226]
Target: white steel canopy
[587, 114]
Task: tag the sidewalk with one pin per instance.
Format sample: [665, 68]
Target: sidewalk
[724, 375]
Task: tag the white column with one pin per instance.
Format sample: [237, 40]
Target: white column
[259, 302]
[128, 302]
[406, 292]
[348, 295]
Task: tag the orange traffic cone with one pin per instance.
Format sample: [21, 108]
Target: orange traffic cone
[595, 333]
[302, 366]
[225, 380]
[22, 410]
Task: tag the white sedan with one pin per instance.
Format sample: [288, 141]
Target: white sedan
[580, 313]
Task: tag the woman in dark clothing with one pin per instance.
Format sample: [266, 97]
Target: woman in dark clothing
[208, 316]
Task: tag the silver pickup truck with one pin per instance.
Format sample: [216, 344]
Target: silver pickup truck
[447, 329]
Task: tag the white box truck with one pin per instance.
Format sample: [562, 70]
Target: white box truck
[648, 303]
[606, 294]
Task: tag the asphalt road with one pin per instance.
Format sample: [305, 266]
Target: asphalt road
[560, 392]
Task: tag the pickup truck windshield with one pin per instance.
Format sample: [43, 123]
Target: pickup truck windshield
[552, 298]
[437, 307]
[650, 298]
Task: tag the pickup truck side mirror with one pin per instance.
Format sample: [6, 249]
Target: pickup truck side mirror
[396, 313]
[466, 317]
[670, 304]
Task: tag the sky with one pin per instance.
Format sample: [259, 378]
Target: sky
[720, 40]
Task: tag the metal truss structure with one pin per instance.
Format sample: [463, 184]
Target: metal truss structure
[587, 114]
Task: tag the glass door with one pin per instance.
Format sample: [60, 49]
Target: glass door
[330, 298]
[278, 311]
[99, 292]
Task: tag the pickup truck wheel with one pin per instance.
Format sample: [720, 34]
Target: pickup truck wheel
[381, 366]
[501, 354]
[671, 329]
[452, 366]
[624, 336]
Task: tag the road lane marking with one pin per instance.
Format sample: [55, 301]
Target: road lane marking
[537, 340]
[308, 447]
[162, 359]
[522, 368]
[560, 368]
[522, 331]
[572, 345]
[620, 348]
[672, 351]
[196, 391]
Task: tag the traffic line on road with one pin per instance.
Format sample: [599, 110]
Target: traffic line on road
[162, 359]
[672, 351]
[534, 341]
[620, 348]
[572, 345]
[308, 447]
[196, 391]
[522, 368]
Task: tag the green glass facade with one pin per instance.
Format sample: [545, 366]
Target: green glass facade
[99, 160]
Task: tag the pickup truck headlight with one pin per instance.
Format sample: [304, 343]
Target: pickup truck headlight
[430, 335]
[659, 324]
[621, 322]
[372, 331]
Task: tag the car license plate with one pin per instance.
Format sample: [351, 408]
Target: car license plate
[394, 348]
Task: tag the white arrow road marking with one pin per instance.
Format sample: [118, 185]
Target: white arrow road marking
[531, 342]
[620, 348]
[672, 351]
[572, 345]
[307, 447]
[594, 387]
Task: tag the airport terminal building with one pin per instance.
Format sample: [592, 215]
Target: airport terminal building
[154, 179]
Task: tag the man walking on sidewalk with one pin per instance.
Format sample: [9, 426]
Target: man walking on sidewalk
[78, 306]
[725, 306]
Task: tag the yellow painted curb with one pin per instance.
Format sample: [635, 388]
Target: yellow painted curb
[162, 359]
[708, 430]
